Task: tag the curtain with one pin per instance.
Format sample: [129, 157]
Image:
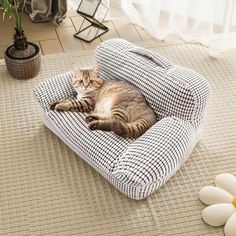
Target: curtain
[46, 10]
[73, 4]
[211, 22]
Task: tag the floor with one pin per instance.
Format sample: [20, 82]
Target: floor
[59, 39]
[46, 189]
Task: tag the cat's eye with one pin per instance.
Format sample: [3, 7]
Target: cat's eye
[81, 81]
[90, 82]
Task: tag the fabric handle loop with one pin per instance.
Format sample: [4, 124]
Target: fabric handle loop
[152, 56]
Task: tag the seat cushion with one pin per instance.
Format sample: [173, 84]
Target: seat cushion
[102, 148]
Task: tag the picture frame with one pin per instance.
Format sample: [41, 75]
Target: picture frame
[88, 7]
[91, 27]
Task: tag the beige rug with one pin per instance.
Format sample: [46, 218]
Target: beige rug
[45, 189]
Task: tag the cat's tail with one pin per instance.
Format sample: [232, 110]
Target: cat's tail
[134, 129]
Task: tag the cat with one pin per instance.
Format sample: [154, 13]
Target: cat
[112, 105]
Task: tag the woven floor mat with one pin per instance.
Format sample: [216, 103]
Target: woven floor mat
[45, 189]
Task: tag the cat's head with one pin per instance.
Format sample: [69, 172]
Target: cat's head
[87, 80]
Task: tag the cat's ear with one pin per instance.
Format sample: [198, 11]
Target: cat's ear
[96, 69]
[75, 70]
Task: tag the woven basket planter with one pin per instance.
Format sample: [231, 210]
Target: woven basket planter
[23, 67]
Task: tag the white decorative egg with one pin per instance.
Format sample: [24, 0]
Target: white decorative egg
[212, 195]
[222, 203]
[218, 214]
[230, 226]
[226, 182]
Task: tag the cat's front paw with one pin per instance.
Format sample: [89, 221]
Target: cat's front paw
[60, 106]
[90, 118]
[93, 125]
[63, 107]
[53, 105]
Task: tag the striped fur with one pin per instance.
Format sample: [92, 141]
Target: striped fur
[112, 105]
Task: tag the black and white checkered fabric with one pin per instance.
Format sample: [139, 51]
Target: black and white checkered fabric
[136, 167]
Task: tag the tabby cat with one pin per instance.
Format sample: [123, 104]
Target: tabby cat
[112, 105]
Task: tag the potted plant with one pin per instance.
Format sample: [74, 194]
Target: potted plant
[22, 58]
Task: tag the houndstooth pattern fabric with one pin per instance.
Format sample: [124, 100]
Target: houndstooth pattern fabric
[102, 148]
[54, 89]
[161, 151]
[170, 90]
[136, 167]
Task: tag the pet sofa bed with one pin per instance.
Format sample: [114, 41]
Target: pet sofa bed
[136, 167]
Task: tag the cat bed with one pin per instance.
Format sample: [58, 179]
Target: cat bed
[136, 167]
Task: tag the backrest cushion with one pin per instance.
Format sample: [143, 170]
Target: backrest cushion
[169, 89]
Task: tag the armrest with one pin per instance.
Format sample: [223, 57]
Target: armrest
[157, 154]
[57, 88]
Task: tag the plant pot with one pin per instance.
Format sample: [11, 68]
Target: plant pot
[23, 64]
